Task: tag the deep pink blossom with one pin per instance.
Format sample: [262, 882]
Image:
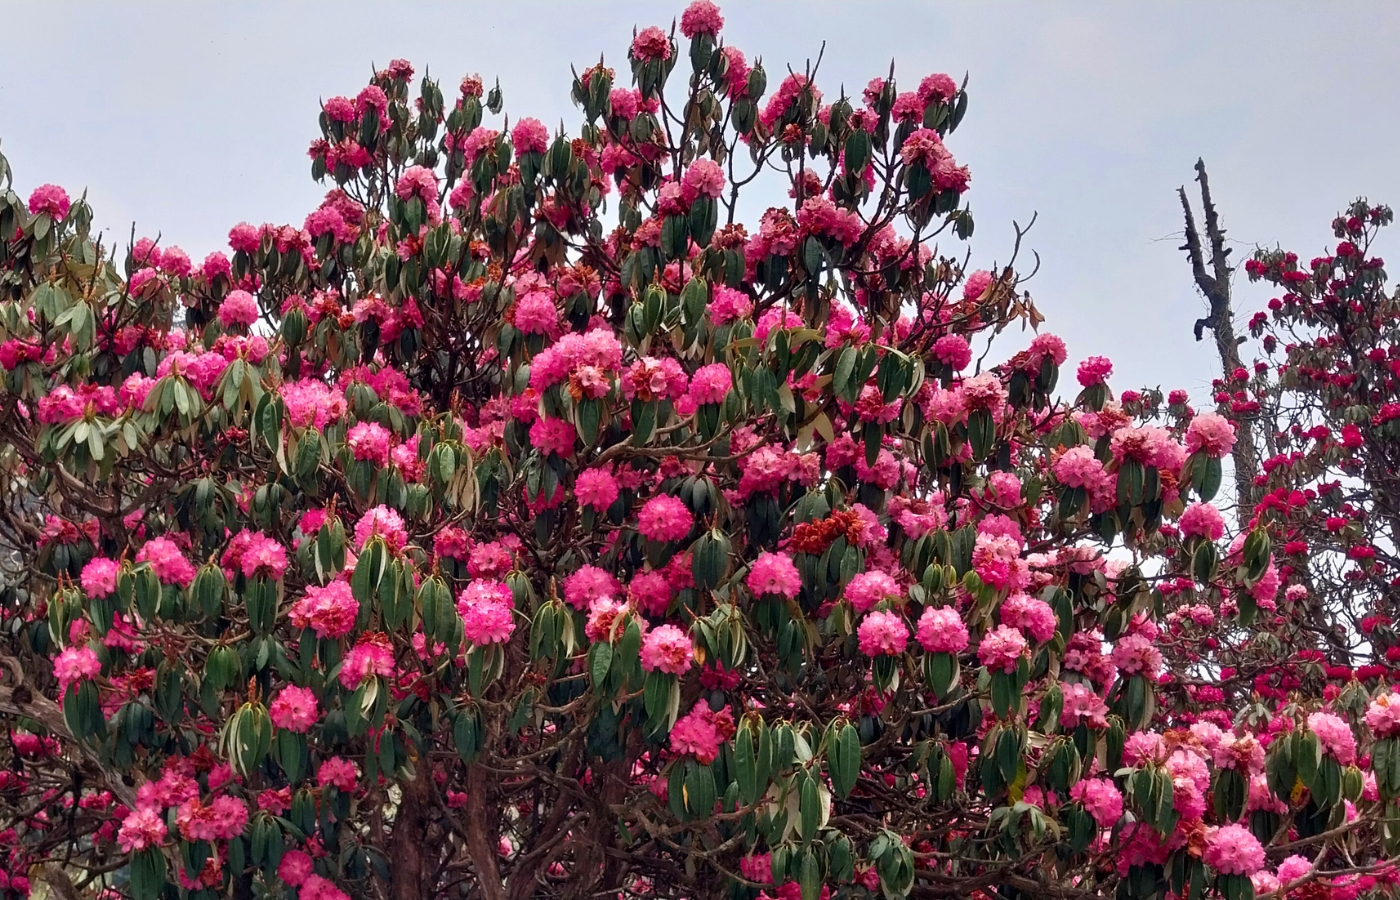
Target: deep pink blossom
[664, 518]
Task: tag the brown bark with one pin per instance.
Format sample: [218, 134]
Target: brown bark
[1214, 282]
[481, 843]
[409, 865]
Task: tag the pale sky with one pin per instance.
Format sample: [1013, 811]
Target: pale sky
[188, 118]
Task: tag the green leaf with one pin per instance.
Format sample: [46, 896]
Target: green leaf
[809, 808]
[841, 382]
[600, 661]
[847, 758]
[746, 766]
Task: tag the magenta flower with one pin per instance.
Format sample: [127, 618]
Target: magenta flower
[369, 442]
[341, 774]
[953, 351]
[1383, 715]
[701, 17]
[50, 199]
[1335, 735]
[774, 574]
[941, 630]
[596, 488]
[651, 43]
[1202, 520]
[1233, 850]
[1094, 371]
[1030, 614]
[294, 709]
[868, 588]
[604, 615]
[167, 561]
[697, 732]
[668, 649]
[588, 584]
[486, 611]
[330, 611]
[143, 827]
[383, 522]
[1002, 649]
[99, 577]
[664, 518]
[1101, 800]
[296, 867]
[75, 664]
[529, 136]
[710, 383]
[704, 178]
[372, 655]
[238, 308]
[883, 633]
[1212, 434]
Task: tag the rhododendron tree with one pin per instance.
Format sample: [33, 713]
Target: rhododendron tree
[523, 525]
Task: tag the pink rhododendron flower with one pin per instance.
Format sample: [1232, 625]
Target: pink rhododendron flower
[1233, 850]
[262, 556]
[330, 611]
[953, 351]
[167, 560]
[1134, 653]
[1211, 434]
[597, 488]
[223, 819]
[342, 774]
[74, 664]
[941, 630]
[606, 618]
[1335, 735]
[99, 577]
[1002, 649]
[1383, 715]
[529, 136]
[372, 655]
[53, 201]
[700, 732]
[486, 608]
[143, 827]
[588, 584]
[1094, 371]
[369, 441]
[381, 521]
[295, 868]
[294, 708]
[710, 383]
[727, 305]
[937, 88]
[1101, 800]
[868, 588]
[664, 518]
[651, 43]
[882, 633]
[1031, 615]
[667, 649]
[701, 17]
[704, 178]
[1082, 706]
[238, 308]
[1202, 520]
[977, 284]
[553, 436]
[774, 574]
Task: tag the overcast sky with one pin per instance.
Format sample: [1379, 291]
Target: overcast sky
[188, 118]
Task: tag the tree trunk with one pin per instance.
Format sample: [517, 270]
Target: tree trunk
[1215, 284]
[408, 863]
